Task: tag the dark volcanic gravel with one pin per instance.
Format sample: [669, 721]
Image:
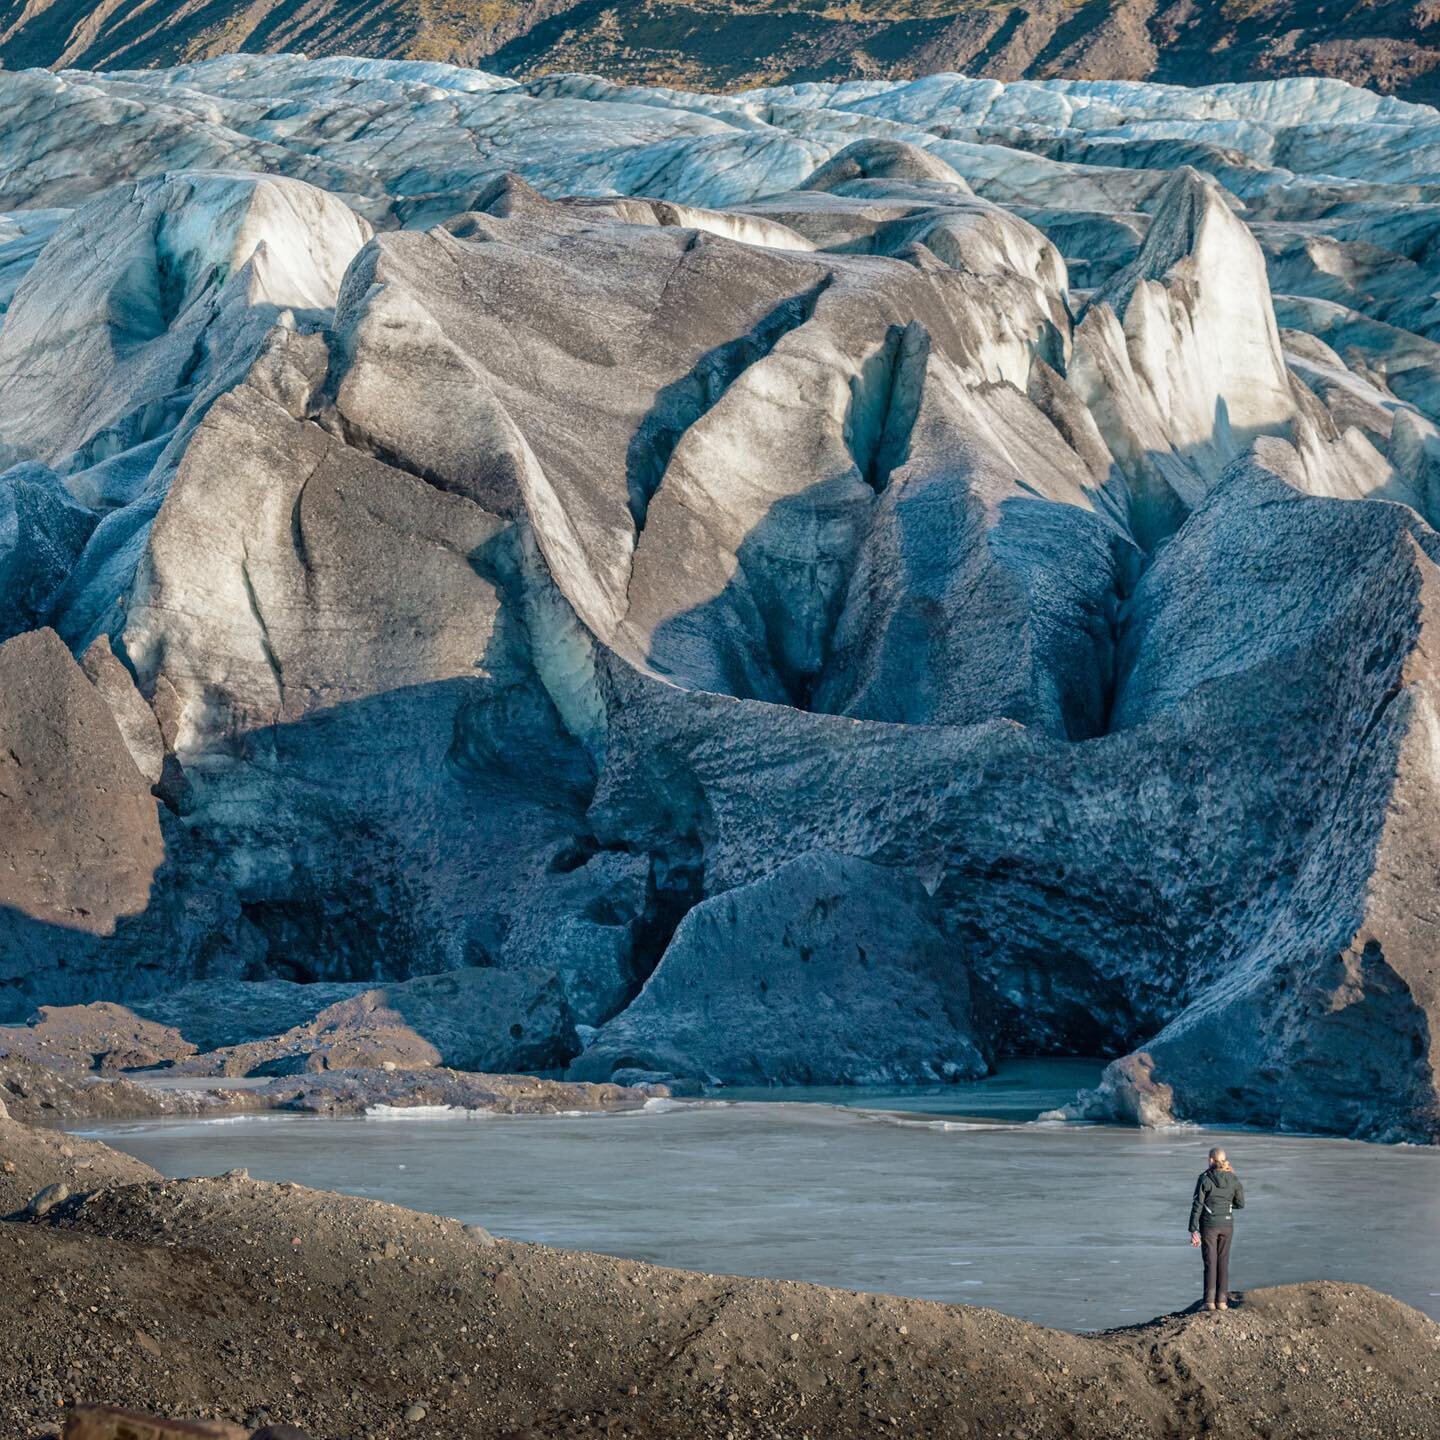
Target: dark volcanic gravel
[253, 1302]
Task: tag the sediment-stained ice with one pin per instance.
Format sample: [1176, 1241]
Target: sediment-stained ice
[834, 582]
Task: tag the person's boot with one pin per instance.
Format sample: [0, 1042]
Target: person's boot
[1209, 1304]
[1222, 1304]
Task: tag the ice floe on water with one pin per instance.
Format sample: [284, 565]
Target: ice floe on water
[419, 1112]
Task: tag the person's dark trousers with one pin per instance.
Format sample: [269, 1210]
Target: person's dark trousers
[1215, 1248]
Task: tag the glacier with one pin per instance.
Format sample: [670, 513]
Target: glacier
[834, 583]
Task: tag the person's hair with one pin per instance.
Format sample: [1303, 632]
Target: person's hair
[1218, 1160]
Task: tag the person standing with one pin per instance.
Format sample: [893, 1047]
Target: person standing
[1218, 1194]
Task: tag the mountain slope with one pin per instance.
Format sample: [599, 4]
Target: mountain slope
[1388, 45]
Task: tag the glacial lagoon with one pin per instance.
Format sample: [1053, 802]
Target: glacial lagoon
[958, 1193]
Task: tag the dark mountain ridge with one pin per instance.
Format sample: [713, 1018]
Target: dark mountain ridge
[1388, 45]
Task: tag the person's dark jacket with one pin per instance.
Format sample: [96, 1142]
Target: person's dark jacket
[1217, 1193]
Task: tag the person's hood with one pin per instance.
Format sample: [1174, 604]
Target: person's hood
[1224, 1179]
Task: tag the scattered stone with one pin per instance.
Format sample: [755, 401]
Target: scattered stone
[47, 1199]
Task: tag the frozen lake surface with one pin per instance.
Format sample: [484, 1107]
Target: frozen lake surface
[953, 1194]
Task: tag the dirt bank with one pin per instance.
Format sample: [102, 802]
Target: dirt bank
[236, 1299]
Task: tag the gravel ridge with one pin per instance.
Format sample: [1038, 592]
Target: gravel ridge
[257, 1303]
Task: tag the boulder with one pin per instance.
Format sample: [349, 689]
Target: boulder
[105, 1422]
[1128, 1094]
[80, 839]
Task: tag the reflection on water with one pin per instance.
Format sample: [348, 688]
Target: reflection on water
[1018, 1090]
[948, 1194]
